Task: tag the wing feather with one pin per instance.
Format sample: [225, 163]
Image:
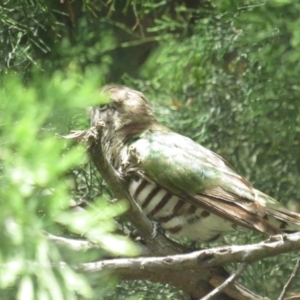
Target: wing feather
[203, 178]
[234, 213]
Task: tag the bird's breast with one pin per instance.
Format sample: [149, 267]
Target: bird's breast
[177, 216]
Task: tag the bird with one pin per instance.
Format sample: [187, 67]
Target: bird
[189, 190]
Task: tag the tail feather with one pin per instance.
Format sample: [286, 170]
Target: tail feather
[279, 216]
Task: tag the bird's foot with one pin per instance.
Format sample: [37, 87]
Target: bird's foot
[279, 237]
[156, 228]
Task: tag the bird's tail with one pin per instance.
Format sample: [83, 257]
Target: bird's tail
[277, 215]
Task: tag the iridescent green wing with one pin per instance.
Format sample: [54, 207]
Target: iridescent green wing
[203, 178]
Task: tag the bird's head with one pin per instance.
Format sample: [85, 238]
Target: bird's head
[126, 111]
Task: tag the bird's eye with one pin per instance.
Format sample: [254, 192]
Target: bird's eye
[103, 107]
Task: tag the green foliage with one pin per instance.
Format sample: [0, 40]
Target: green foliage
[34, 192]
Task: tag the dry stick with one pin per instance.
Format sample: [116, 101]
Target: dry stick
[291, 280]
[228, 281]
[75, 245]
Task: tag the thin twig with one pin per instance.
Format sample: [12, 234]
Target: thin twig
[228, 281]
[75, 245]
[291, 280]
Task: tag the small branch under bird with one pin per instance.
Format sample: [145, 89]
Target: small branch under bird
[188, 189]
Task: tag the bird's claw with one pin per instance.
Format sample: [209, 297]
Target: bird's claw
[279, 237]
[156, 228]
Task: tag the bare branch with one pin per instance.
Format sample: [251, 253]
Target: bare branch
[197, 260]
[228, 281]
[84, 245]
[75, 245]
[160, 268]
[250, 253]
[290, 281]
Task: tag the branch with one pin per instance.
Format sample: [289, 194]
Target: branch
[148, 268]
[202, 259]
[290, 281]
[228, 281]
[72, 244]
[160, 268]
[84, 245]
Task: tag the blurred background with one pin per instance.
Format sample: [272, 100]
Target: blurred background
[225, 73]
